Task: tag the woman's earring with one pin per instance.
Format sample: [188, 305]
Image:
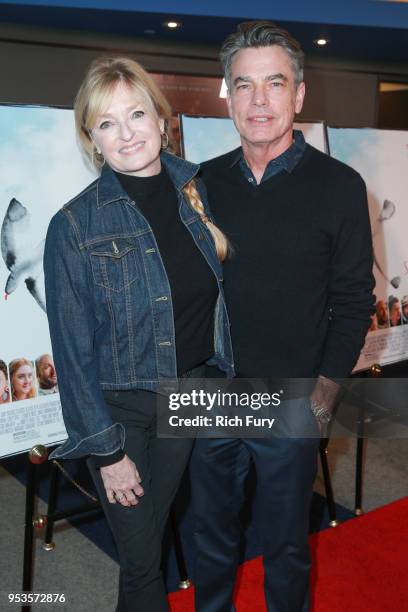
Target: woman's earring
[97, 156]
[165, 140]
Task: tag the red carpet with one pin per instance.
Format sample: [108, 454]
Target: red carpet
[362, 565]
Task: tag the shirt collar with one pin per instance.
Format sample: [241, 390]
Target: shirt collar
[287, 160]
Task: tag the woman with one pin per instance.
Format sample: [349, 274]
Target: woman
[22, 379]
[4, 384]
[134, 297]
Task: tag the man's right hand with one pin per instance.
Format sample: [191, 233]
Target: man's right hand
[122, 482]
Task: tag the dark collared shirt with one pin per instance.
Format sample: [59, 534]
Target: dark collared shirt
[286, 161]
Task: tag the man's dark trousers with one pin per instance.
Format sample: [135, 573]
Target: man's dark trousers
[286, 469]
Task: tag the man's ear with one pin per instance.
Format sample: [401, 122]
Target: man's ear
[300, 96]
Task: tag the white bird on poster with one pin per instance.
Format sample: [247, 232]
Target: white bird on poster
[387, 212]
[22, 257]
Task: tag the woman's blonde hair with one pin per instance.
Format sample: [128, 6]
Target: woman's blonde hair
[13, 367]
[95, 95]
[221, 243]
[96, 92]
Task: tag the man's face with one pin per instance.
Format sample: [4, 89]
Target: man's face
[263, 98]
[47, 376]
[395, 313]
[382, 313]
[405, 311]
[3, 383]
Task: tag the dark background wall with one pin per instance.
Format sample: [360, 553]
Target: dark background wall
[45, 66]
[45, 47]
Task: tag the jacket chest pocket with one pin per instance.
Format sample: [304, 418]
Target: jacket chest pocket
[114, 264]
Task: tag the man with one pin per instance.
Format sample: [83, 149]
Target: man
[299, 228]
[394, 309]
[46, 375]
[382, 314]
[404, 305]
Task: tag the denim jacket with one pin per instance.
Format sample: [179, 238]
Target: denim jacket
[109, 305]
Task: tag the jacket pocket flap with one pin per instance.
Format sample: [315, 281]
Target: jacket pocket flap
[114, 248]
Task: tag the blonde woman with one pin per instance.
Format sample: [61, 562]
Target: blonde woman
[134, 297]
[22, 379]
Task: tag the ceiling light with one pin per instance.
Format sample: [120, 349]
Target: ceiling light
[321, 42]
[172, 24]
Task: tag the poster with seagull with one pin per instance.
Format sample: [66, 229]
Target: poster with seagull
[41, 168]
[381, 157]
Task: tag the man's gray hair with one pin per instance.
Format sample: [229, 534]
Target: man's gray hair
[255, 34]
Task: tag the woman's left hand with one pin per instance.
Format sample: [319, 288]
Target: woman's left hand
[122, 482]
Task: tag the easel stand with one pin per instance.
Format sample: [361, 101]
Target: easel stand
[374, 372]
[38, 455]
[331, 506]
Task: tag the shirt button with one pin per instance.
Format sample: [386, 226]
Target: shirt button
[200, 237]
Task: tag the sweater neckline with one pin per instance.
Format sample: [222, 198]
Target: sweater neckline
[144, 185]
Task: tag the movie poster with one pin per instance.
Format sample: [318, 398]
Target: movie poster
[40, 169]
[381, 157]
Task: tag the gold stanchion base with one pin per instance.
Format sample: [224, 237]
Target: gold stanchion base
[358, 511]
[334, 523]
[185, 584]
[48, 546]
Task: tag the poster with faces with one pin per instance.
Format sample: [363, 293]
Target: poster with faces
[41, 168]
[207, 137]
[381, 157]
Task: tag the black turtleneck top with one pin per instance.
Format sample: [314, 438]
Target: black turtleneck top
[193, 285]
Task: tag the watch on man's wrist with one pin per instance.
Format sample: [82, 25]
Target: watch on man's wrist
[321, 413]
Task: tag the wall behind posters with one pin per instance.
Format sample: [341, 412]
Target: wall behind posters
[45, 66]
[40, 169]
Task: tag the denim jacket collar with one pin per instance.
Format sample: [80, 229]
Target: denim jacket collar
[110, 190]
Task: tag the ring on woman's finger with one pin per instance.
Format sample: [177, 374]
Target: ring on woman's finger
[120, 496]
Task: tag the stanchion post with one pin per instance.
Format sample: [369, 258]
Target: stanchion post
[331, 506]
[37, 455]
[185, 582]
[48, 544]
[374, 372]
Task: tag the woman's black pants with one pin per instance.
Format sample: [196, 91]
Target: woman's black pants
[138, 530]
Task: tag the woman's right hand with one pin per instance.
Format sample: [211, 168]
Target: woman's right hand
[122, 482]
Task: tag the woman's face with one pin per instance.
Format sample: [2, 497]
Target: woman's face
[22, 381]
[3, 384]
[128, 134]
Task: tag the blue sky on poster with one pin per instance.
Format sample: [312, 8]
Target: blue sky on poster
[344, 144]
[40, 165]
[381, 157]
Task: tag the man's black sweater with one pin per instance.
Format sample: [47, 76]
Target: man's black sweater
[299, 282]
